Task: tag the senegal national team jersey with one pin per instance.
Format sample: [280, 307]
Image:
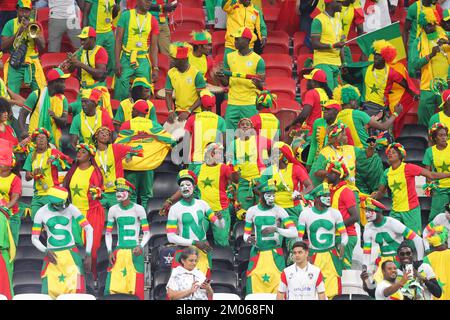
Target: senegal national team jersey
[125, 110]
[287, 181]
[321, 227]
[248, 157]
[401, 181]
[186, 85]
[258, 218]
[442, 118]
[203, 63]
[138, 29]
[189, 221]
[58, 225]
[242, 92]
[205, 127]
[49, 172]
[316, 98]
[110, 163]
[329, 30]
[129, 221]
[85, 126]
[343, 198]
[356, 121]
[351, 16]
[388, 235]
[8, 186]
[439, 161]
[93, 58]
[100, 16]
[79, 188]
[266, 124]
[212, 184]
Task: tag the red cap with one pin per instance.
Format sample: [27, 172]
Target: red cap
[317, 74]
[55, 74]
[208, 101]
[141, 106]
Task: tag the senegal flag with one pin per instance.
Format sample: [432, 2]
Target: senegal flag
[398, 94]
[155, 147]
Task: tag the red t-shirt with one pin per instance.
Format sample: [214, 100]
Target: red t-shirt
[312, 98]
[9, 135]
[347, 200]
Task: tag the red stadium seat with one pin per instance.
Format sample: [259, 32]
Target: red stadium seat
[303, 87]
[283, 87]
[161, 110]
[277, 42]
[301, 59]
[181, 35]
[218, 42]
[52, 59]
[285, 117]
[72, 89]
[288, 104]
[278, 65]
[299, 39]
[189, 19]
[190, 3]
[271, 17]
[42, 14]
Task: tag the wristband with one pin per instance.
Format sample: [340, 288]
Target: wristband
[332, 46]
[169, 200]
[395, 114]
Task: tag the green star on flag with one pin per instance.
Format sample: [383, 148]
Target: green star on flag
[444, 167]
[77, 191]
[281, 187]
[136, 31]
[108, 168]
[396, 186]
[246, 157]
[124, 272]
[62, 278]
[266, 277]
[374, 88]
[207, 182]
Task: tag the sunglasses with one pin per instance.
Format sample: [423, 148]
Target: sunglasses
[405, 254]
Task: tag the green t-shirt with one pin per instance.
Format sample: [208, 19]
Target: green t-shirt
[428, 157]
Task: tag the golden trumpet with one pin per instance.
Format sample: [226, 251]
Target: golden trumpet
[66, 63]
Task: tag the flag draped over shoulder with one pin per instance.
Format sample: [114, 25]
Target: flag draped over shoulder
[155, 148]
[398, 94]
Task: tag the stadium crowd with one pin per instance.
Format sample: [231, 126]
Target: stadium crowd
[149, 150]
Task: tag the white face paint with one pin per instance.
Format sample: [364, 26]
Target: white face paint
[371, 215]
[269, 197]
[186, 188]
[121, 195]
[326, 200]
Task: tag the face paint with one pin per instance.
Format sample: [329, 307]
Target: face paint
[371, 215]
[186, 188]
[121, 195]
[269, 198]
[59, 206]
[326, 200]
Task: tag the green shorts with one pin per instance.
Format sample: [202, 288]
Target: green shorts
[348, 252]
[235, 113]
[412, 219]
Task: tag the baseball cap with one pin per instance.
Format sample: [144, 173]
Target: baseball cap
[244, 32]
[445, 98]
[332, 104]
[55, 74]
[141, 106]
[87, 32]
[446, 15]
[317, 75]
[24, 4]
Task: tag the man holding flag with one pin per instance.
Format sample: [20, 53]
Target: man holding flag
[48, 108]
[429, 55]
[155, 142]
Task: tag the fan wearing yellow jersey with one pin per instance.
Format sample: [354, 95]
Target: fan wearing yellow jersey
[265, 122]
[200, 57]
[243, 71]
[444, 115]
[435, 159]
[28, 72]
[327, 41]
[99, 14]
[136, 50]
[186, 81]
